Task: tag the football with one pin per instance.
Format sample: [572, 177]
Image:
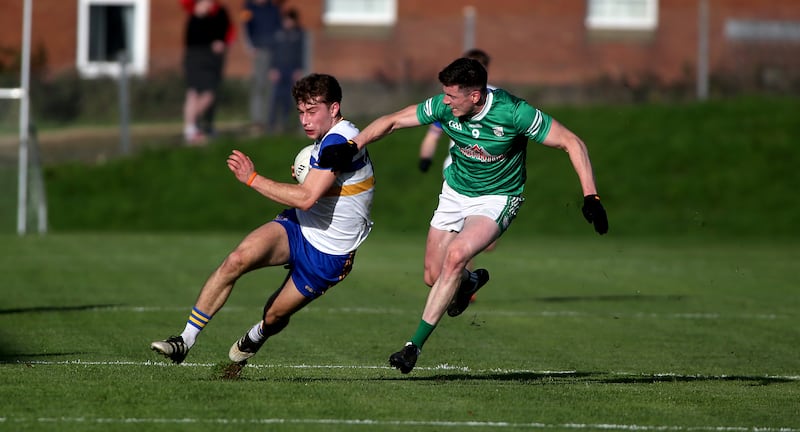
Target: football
[302, 163]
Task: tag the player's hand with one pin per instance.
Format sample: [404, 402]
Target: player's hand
[594, 212]
[338, 157]
[241, 166]
[424, 164]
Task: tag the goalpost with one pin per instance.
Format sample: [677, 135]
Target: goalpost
[28, 151]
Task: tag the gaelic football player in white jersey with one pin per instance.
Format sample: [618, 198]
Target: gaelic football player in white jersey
[317, 237]
[482, 188]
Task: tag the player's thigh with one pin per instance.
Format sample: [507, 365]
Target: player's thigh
[479, 232]
[267, 245]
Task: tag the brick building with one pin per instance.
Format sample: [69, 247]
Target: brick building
[532, 42]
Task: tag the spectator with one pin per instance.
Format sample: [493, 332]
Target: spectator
[289, 50]
[208, 34]
[262, 19]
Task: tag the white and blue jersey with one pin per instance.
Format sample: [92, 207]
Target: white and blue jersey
[323, 239]
[340, 220]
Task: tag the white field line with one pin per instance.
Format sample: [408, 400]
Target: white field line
[489, 312]
[441, 367]
[372, 422]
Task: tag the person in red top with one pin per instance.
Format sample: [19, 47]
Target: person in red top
[209, 32]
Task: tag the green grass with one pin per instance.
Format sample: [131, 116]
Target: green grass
[571, 333]
[683, 318]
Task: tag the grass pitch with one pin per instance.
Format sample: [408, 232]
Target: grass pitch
[571, 333]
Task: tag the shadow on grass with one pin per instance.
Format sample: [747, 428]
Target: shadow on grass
[523, 377]
[44, 309]
[8, 352]
[498, 376]
[598, 377]
[26, 357]
[518, 376]
[645, 379]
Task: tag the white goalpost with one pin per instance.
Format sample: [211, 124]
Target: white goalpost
[22, 93]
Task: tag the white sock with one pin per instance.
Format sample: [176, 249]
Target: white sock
[255, 333]
[189, 131]
[190, 334]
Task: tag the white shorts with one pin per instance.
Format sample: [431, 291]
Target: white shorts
[454, 208]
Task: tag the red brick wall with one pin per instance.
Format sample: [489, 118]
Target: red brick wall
[53, 28]
[531, 41]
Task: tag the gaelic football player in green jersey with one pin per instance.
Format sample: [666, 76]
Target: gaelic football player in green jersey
[483, 186]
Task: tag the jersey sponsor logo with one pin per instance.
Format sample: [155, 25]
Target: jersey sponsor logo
[455, 125]
[475, 125]
[498, 131]
[479, 153]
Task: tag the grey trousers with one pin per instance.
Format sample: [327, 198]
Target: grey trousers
[260, 86]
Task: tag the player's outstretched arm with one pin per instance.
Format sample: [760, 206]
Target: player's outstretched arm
[384, 125]
[561, 137]
[339, 156]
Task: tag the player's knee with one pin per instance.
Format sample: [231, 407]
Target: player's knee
[235, 264]
[456, 258]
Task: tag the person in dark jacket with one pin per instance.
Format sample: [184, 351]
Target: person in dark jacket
[208, 34]
[261, 20]
[287, 68]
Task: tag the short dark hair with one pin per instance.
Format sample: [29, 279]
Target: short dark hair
[308, 88]
[479, 55]
[466, 73]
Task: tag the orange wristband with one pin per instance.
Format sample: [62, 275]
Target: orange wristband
[252, 177]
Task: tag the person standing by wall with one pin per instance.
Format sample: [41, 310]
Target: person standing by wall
[261, 20]
[289, 54]
[208, 34]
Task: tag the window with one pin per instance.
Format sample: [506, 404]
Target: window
[755, 30]
[360, 12]
[622, 14]
[108, 29]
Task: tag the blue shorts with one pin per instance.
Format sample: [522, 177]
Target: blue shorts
[312, 271]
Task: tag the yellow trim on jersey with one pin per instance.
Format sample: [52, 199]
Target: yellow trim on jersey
[352, 189]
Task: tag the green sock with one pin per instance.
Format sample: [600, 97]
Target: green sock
[424, 330]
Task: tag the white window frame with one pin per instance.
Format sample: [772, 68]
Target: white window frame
[605, 15]
[137, 63]
[353, 12]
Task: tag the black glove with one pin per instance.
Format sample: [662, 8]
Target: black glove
[338, 157]
[594, 212]
[424, 164]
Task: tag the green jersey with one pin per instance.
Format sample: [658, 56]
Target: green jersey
[490, 147]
